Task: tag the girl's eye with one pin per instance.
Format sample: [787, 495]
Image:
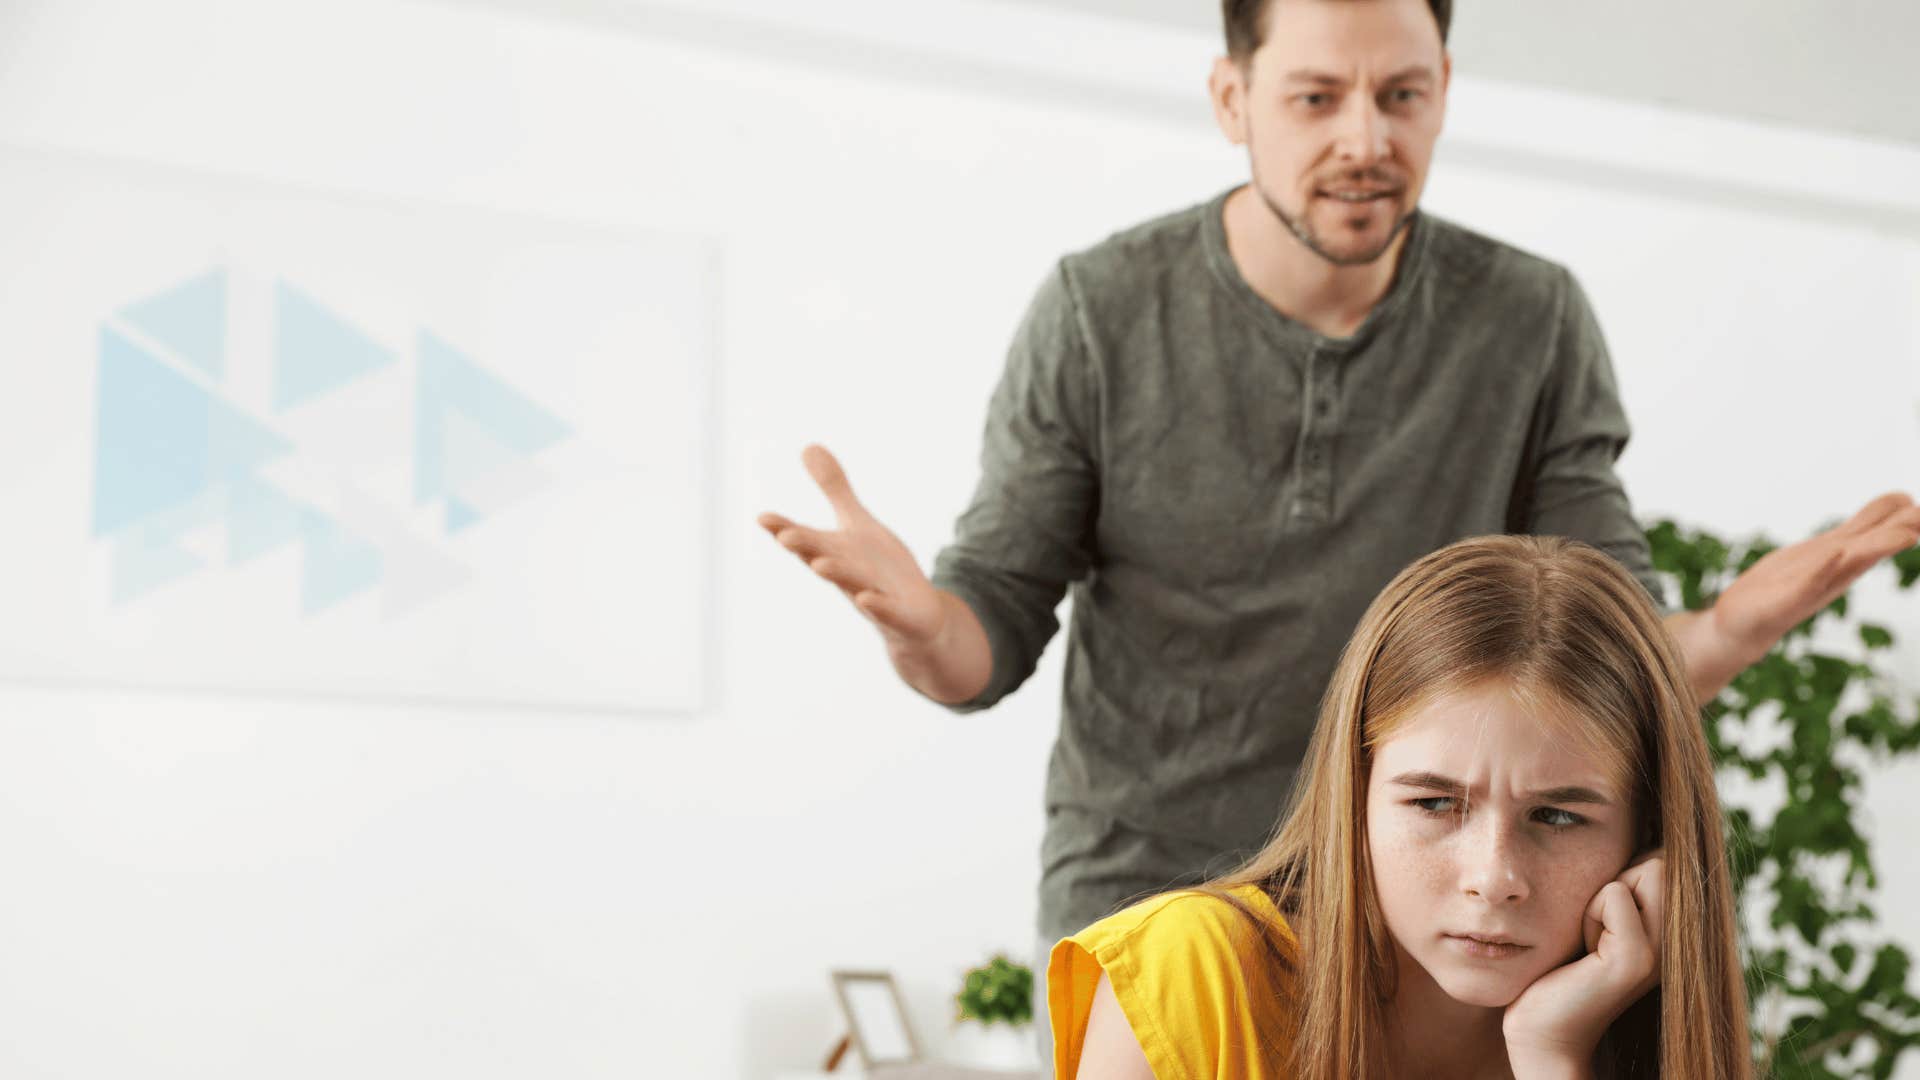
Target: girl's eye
[1558, 818]
[1447, 806]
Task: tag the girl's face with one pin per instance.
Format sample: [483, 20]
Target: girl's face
[1489, 832]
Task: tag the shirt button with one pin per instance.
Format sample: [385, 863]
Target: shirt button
[1323, 407]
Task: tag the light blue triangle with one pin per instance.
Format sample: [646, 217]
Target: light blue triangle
[338, 564]
[190, 319]
[141, 565]
[460, 515]
[260, 518]
[237, 444]
[471, 454]
[168, 525]
[448, 380]
[316, 351]
[150, 436]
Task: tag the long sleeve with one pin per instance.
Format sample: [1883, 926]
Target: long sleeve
[1027, 533]
[1580, 430]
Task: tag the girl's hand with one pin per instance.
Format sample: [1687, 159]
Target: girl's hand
[1555, 1025]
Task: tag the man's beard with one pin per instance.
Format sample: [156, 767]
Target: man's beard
[1304, 233]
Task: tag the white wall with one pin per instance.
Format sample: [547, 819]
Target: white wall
[204, 886]
[1837, 67]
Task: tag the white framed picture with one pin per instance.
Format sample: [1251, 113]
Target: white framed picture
[263, 439]
[876, 1018]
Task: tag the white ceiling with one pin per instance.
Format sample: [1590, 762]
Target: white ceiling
[1835, 65]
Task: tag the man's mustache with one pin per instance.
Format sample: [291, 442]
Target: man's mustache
[1365, 178]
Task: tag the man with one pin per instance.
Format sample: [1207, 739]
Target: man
[1228, 428]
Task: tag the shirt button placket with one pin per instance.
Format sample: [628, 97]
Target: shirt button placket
[1314, 501]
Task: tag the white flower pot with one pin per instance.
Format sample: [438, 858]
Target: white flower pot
[995, 1046]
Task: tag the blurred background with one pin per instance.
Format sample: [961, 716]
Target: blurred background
[555, 764]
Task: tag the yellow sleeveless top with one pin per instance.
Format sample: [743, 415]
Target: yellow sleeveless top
[1187, 970]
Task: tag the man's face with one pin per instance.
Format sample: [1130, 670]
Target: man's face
[1484, 822]
[1339, 108]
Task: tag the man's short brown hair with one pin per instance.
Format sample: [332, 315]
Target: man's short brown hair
[1245, 31]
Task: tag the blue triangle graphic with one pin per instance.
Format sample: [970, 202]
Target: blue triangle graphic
[170, 524]
[448, 380]
[190, 319]
[315, 350]
[236, 444]
[141, 565]
[338, 564]
[460, 515]
[260, 518]
[471, 455]
[150, 436]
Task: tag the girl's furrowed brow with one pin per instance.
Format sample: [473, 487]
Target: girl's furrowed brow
[1431, 781]
[1571, 793]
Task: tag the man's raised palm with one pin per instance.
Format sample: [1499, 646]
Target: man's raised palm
[863, 558]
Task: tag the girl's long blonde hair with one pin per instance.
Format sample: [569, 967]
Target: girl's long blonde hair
[1570, 627]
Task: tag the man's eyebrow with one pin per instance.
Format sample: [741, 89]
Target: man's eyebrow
[1572, 793]
[1415, 73]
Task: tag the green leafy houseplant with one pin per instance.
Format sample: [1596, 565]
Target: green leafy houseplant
[1828, 994]
[1000, 991]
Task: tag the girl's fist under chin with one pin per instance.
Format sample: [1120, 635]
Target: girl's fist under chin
[1556, 1023]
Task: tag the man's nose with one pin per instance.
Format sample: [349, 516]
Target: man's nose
[1493, 866]
[1362, 136]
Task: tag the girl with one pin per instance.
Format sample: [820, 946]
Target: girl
[1503, 858]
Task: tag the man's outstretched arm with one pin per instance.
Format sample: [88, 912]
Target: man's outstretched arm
[1786, 588]
[937, 645]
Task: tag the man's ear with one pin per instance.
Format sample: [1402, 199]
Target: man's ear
[1227, 88]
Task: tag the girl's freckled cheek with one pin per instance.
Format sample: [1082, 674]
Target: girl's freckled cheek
[1404, 858]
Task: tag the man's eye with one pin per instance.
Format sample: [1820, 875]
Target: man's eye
[1558, 818]
[1314, 101]
[1438, 805]
[1404, 96]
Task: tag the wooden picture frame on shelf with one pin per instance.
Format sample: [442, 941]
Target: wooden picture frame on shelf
[876, 1017]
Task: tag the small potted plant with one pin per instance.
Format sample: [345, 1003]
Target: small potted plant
[995, 1021]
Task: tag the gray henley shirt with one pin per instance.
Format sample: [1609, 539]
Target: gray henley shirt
[1223, 491]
